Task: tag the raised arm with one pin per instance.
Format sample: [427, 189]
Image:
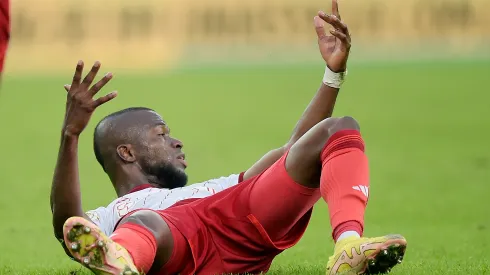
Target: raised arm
[65, 190]
[334, 49]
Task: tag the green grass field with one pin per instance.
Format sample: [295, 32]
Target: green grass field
[426, 126]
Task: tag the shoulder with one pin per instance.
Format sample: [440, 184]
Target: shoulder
[224, 181]
[233, 178]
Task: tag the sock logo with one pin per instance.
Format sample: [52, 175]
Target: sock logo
[364, 189]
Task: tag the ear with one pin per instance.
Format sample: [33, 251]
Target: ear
[126, 153]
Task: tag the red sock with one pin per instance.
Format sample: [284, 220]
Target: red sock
[344, 181]
[140, 243]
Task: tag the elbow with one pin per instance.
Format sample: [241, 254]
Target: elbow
[55, 221]
[57, 228]
[58, 223]
[58, 235]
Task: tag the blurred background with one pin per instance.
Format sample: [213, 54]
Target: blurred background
[156, 34]
[232, 78]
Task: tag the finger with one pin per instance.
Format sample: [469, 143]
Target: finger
[87, 81]
[343, 37]
[335, 22]
[319, 27]
[78, 75]
[335, 8]
[104, 99]
[101, 83]
[67, 87]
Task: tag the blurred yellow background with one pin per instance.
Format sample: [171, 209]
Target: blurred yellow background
[154, 34]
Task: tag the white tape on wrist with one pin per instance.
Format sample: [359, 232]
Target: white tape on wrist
[334, 80]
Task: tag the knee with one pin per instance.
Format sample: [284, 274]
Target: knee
[331, 126]
[315, 138]
[311, 144]
[303, 162]
[343, 123]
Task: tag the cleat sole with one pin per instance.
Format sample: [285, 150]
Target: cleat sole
[90, 247]
[386, 257]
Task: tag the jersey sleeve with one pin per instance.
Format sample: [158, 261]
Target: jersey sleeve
[102, 217]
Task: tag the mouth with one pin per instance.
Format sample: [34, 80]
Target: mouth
[181, 159]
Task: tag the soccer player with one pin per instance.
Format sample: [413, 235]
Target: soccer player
[4, 31]
[234, 224]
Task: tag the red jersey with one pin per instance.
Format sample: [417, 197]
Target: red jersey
[224, 237]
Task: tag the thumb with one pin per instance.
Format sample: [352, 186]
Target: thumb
[319, 27]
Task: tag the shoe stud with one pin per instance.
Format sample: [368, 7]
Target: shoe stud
[100, 243]
[86, 229]
[372, 262]
[75, 246]
[400, 259]
[86, 261]
[385, 252]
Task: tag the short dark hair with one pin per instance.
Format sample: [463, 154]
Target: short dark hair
[97, 137]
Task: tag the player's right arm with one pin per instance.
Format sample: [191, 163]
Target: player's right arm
[65, 190]
[334, 49]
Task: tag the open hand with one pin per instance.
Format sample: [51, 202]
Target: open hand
[334, 48]
[80, 103]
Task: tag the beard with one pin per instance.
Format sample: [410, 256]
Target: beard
[165, 175]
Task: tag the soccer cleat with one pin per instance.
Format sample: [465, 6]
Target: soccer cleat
[367, 255]
[92, 248]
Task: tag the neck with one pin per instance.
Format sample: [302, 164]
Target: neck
[124, 183]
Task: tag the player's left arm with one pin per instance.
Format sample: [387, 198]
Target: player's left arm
[335, 50]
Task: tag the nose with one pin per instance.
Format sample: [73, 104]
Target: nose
[177, 143]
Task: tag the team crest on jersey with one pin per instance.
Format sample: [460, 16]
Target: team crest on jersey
[123, 206]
